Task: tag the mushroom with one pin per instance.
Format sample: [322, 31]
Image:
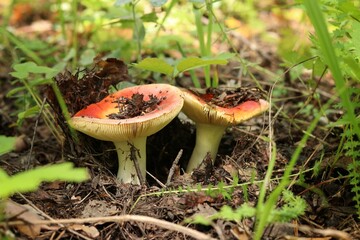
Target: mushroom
[103, 121]
[212, 120]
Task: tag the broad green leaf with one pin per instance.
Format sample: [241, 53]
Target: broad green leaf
[20, 75]
[23, 69]
[225, 56]
[7, 144]
[31, 179]
[155, 65]
[195, 62]
[140, 31]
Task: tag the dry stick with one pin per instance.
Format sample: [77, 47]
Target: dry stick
[34, 134]
[324, 232]
[157, 180]
[133, 152]
[123, 218]
[173, 167]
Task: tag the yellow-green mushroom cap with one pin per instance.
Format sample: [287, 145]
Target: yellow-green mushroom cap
[198, 110]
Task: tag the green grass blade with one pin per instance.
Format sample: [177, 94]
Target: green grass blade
[317, 19]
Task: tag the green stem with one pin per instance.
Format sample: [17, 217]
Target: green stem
[136, 30]
[209, 41]
[20, 45]
[167, 14]
[193, 76]
[208, 138]
[203, 47]
[62, 19]
[75, 41]
[128, 151]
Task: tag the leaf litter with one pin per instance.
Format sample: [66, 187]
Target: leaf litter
[241, 154]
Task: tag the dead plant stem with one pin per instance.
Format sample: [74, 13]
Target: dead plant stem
[123, 218]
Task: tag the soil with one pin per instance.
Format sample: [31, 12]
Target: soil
[228, 98]
[135, 106]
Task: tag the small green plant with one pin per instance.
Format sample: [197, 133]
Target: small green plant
[30, 180]
[339, 50]
[352, 149]
[293, 206]
[33, 76]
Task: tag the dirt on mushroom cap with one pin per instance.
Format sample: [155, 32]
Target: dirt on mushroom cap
[229, 98]
[135, 106]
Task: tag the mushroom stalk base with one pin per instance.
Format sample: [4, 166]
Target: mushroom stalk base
[128, 151]
[208, 138]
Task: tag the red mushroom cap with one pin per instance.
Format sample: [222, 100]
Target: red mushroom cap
[94, 122]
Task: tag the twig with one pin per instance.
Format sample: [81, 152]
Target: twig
[173, 167]
[341, 235]
[157, 180]
[133, 152]
[34, 134]
[123, 218]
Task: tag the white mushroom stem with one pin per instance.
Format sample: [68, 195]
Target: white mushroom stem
[127, 151]
[208, 138]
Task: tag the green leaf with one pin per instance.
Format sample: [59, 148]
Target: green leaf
[27, 113]
[20, 75]
[7, 144]
[31, 179]
[195, 62]
[354, 31]
[23, 69]
[150, 17]
[199, 219]
[13, 91]
[225, 56]
[87, 57]
[155, 65]
[331, 59]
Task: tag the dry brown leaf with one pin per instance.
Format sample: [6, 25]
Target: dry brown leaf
[239, 233]
[90, 231]
[97, 208]
[27, 214]
[230, 169]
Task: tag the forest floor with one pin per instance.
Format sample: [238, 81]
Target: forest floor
[243, 151]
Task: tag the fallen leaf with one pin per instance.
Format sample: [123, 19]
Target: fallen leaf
[90, 231]
[26, 213]
[96, 208]
[239, 233]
